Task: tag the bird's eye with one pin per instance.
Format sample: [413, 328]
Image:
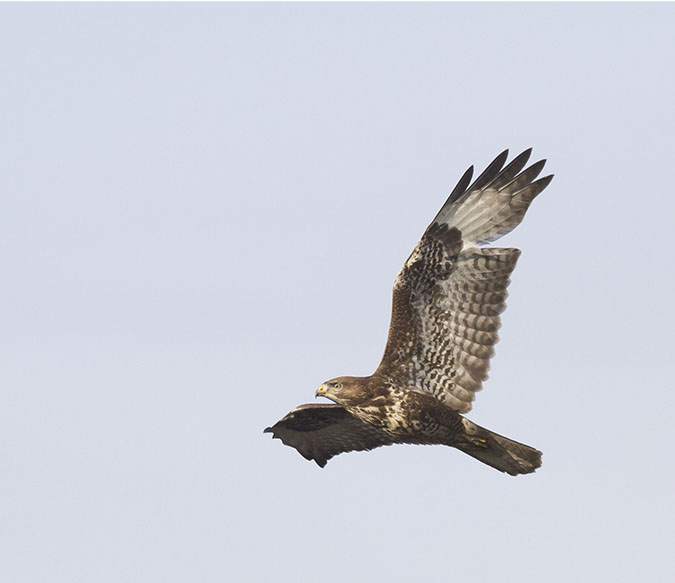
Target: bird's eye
[337, 385]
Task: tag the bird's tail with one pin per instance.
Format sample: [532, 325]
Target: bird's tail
[499, 452]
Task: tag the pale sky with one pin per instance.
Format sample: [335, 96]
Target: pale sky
[203, 211]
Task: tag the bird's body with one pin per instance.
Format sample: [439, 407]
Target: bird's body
[445, 315]
[403, 414]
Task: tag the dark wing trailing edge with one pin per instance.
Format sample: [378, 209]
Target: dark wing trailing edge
[450, 292]
[322, 431]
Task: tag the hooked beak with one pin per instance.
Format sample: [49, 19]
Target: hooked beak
[321, 391]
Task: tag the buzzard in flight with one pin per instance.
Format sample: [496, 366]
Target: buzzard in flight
[445, 316]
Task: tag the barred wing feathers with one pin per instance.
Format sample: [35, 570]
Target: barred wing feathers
[450, 293]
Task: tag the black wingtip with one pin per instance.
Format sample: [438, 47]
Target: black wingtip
[500, 160]
[461, 186]
[539, 166]
[524, 155]
[545, 180]
[463, 182]
[493, 169]
[538, 185]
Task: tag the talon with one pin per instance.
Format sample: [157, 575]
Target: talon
[478, 442]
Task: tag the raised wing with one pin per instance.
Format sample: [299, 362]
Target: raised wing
[322, 431]
[449, 294]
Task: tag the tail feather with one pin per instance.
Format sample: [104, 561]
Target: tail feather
[499, 452]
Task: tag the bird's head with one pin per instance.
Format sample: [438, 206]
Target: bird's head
[344, 390]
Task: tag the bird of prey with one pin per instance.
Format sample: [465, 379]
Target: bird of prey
[446, 306]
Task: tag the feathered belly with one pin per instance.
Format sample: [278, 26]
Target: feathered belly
[410, 418]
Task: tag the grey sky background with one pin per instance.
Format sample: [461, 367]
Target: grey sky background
[203, 209]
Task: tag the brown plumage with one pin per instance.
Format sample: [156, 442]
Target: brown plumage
[445, 316]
